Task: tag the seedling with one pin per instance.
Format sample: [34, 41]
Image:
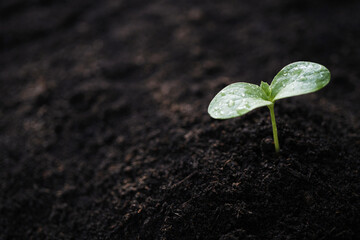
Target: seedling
[294, 79]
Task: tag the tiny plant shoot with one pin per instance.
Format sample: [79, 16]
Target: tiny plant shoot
[294, 79]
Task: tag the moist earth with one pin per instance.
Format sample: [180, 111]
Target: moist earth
[104, 131]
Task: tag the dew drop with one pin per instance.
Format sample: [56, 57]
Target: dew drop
[222, 112]
[231, 103]
[243, 94]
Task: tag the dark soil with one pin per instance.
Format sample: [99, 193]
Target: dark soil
[104, 131]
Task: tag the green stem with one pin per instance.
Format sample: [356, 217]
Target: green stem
[273, 122]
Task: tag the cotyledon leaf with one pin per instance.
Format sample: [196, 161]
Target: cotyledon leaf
[299, 78]
[236, 100]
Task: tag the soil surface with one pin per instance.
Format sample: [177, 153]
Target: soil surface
[104, 131]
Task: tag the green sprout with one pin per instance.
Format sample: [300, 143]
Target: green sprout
[294, 79]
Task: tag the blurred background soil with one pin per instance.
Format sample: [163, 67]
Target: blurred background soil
[104, 131]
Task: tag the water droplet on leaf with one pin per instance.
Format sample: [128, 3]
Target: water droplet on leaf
[231, 103]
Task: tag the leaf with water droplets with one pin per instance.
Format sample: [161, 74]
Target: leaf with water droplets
[236, 100]
[299, 78]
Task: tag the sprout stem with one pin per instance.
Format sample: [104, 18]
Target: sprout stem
[273, 122]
